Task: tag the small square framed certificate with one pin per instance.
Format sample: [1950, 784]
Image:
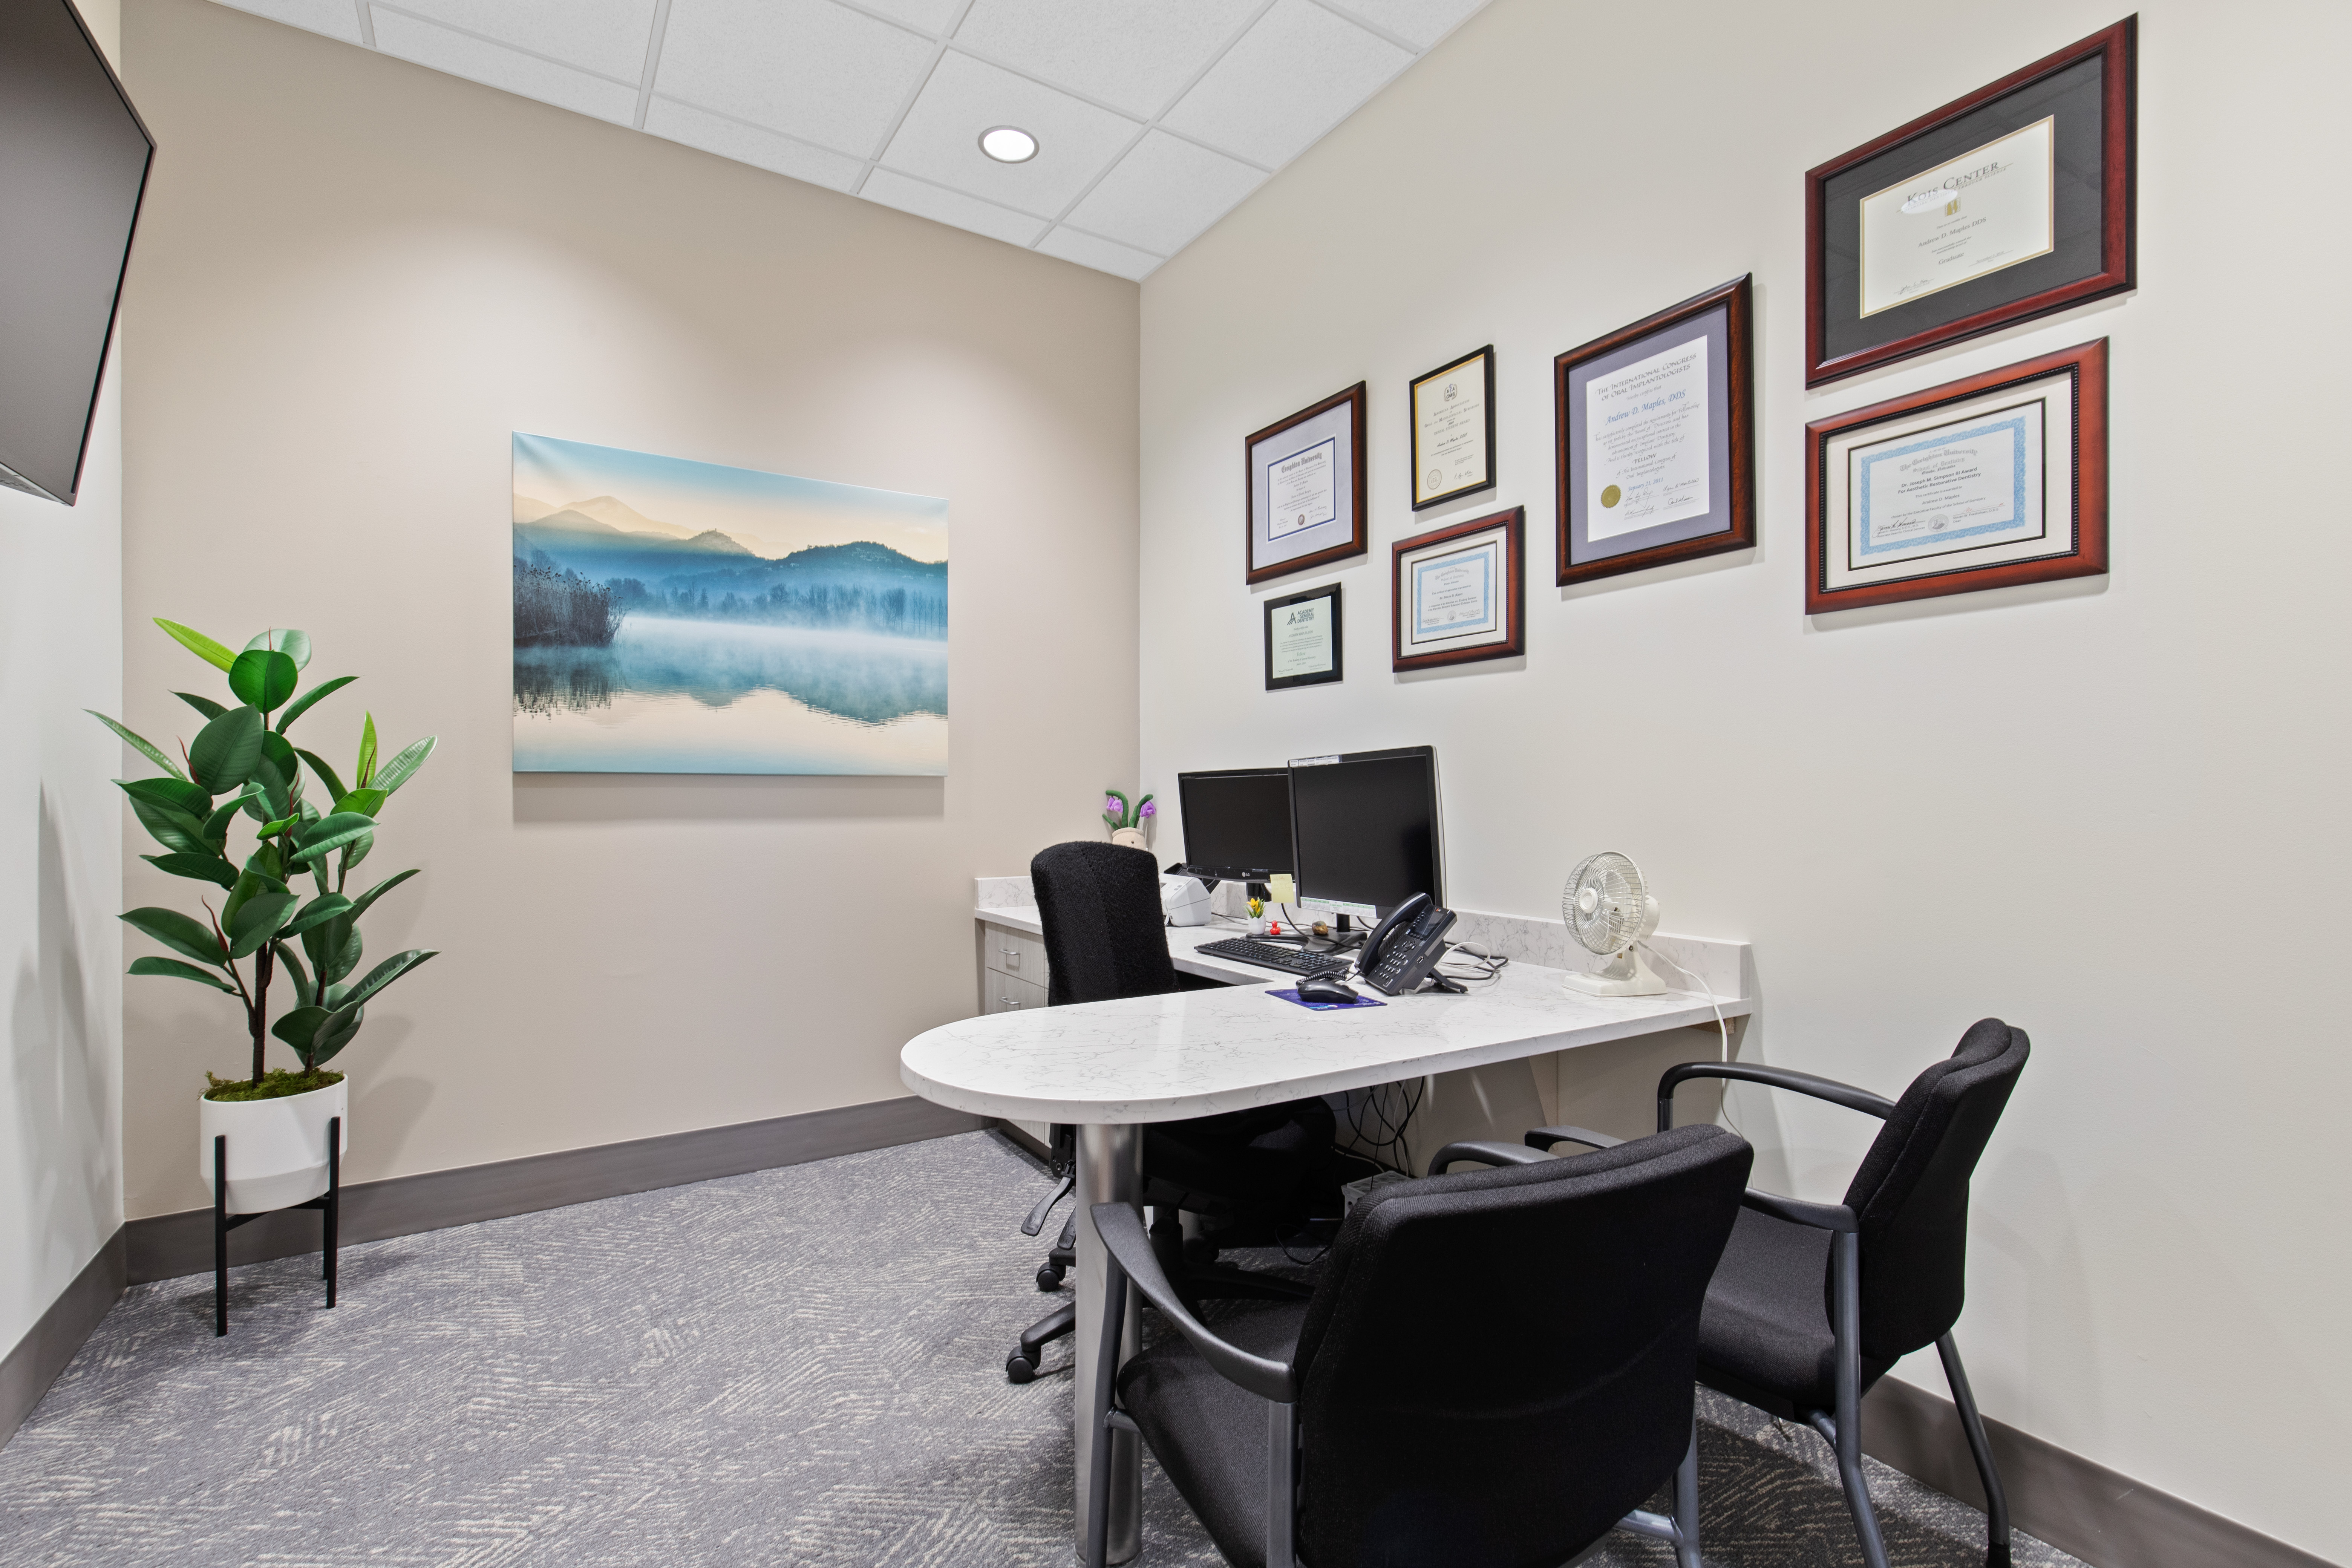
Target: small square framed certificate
[1459, 593]
[1655, 439]
[2000, 206]
[1993, 480]
[1453, 431]
[1306, 487]
[1302, 638]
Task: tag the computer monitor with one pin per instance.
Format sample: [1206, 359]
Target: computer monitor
[1364, 830]
[1236, 823]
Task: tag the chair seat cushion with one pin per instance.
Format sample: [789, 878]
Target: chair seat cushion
[1209, 1436]
[1766, 1322]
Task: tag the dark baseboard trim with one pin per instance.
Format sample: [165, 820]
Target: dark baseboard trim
[27, 1371]
[165, 1246]
[2075, 1504]
[1027, 1141]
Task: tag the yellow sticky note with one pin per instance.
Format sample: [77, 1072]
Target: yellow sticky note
[1284, 891]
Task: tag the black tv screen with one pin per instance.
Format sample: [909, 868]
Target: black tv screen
[73, 164]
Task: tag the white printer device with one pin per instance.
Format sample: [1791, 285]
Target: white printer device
[1183, 899]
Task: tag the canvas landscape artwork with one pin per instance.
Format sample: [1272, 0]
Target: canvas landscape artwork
[673, 617]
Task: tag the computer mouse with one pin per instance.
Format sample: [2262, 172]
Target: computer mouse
[1323, 988]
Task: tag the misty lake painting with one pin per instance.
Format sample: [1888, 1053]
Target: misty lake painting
[673, 617]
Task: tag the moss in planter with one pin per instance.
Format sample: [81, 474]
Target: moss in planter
[276, 1084]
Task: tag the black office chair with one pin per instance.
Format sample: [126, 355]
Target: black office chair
[1813, 1302]
[1261, 1174]
[1495, 1367]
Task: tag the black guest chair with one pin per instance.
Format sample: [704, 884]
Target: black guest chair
[1495, 1369]
[1813, 1302]
[1270, 1168]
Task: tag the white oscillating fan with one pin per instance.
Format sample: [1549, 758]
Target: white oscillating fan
[1609, 909]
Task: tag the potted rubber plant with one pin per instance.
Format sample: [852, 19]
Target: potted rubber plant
[282, 908]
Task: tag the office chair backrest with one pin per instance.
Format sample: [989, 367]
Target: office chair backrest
[1911, 1191]
[1497, 1364]
[1104, 933]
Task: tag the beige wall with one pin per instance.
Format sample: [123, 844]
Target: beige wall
[2109, 811]
[358, 276]
[61, 862]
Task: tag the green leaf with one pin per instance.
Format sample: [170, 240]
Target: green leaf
[335, 1034]
[203, 705]
[177, 793]
[331, 833]
[363, 774]
[224, 751]
[144, 747]
[357, 851]
[294, 645]
[366, 802]
[217, 825]
[318, 911]
[269, 799]
[326, 774]
[383, 974]
[266, 863]
[196, 643]
[272, 829]
[403, 764]
[303, 993]
[298, 1027]
[202, 868]
[263, 678]
[280, 751]
[301, 705]
[180, 933]
[360, 907]
[259, 920]
[178, 970]
[174, 829]
[344, 948]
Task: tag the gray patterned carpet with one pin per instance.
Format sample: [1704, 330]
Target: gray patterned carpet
[802, 1366]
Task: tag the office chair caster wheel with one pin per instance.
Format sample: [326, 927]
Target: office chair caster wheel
[1049, 1277]
[1019, 1368]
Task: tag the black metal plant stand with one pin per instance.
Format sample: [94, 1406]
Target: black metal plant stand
[328, 1204]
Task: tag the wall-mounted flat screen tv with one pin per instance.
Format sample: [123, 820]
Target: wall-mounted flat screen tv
[73, 164]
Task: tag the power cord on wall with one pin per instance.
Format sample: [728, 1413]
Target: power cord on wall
[1720, 1023]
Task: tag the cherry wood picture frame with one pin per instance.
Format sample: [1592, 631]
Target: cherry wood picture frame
[1999, 306]
[1511, 596]
[2086, 473]
[1358, 542]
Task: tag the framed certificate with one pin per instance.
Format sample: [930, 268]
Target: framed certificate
[1459, 593]
[1997, 479]
[1305, 488]
[1302, 638]
[1453, 431]
[2003, 205]
[1655, 436]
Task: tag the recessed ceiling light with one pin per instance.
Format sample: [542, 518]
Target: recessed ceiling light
[1008, 144]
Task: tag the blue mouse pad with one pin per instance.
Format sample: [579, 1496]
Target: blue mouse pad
[1291, 996]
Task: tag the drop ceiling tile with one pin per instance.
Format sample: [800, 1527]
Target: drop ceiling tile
[1134, 57]
[933, 16]
[940, 139]
[1295, 74]
[809, 69]
[494, 66]
[747, 144]
[336, 18]
[1163, 192]
[1088, 250]
[1420, 23]
[951, 207]
[607, 36]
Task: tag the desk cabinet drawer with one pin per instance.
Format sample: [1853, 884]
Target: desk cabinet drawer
[1004, 994]
[1013, 953]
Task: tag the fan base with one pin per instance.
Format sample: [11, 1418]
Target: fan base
[1627, 975]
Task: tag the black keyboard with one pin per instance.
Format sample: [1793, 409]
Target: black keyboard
[1288, 959]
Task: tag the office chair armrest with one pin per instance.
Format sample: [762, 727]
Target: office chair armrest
[1836, 1093]
[1122, 1229]
[1486, 1154]
[1821, 1216]
[1545, 1137]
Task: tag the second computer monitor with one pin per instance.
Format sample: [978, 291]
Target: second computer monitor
[1237, 822]
[1364, 828]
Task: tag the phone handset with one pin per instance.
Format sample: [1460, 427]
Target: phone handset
[1389, 929]
[1404, 950]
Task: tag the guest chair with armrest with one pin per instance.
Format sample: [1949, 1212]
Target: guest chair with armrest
[1813, 1302]
[1496, 1368]
[1269, 1167]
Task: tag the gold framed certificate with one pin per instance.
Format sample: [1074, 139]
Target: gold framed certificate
[1302, 638]
[1453, 429]
[1459, 594]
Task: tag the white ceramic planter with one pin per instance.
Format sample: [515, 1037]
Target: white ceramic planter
[277, 1148]
[1131, 836]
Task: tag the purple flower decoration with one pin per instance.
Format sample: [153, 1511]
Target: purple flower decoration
[1150, 808]
[1110, 805]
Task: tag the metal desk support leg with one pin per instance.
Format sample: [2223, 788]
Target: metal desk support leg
[1110, 1169]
